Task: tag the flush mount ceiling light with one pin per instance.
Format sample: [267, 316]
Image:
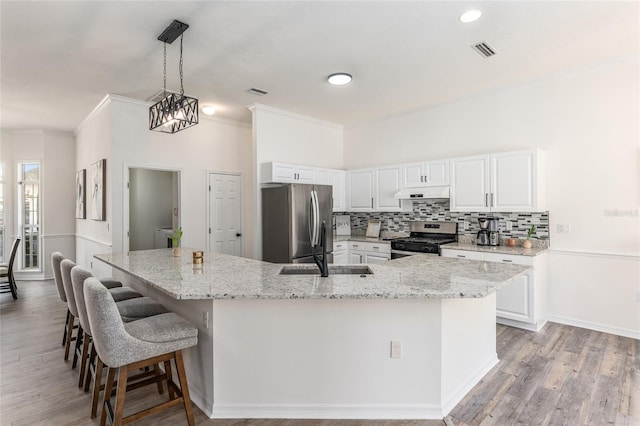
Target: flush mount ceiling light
[339, 78]
[470, 16]
[175, 111]
[208, 109]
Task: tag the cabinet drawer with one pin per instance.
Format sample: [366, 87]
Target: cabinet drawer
[462, 254]
[509, 258]
[343, 245]
[371, 247]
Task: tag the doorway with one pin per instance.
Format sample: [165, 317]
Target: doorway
[225, 213]
[154, 207]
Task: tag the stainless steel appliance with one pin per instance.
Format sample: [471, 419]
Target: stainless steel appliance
[425, 237]
[482, 238]
[494, 231]
[292, 216]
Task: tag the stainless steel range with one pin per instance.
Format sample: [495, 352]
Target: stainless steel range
[425, 237]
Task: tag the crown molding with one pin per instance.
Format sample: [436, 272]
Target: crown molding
[261, 107]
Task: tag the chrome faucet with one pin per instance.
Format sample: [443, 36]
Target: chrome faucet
[322, 263]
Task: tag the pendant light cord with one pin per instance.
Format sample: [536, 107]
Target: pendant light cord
[164, 86]
[181, 85]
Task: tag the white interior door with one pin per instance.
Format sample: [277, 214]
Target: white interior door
[225, 213]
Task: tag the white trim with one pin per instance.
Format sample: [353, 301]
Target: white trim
[262, 107]
[106, 100]
[624, 332]
[622, 256]
[82, 237]
[327, 411]
[58, 235]
[450, 401]
[523, 325]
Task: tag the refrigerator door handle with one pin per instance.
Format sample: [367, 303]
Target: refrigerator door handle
[318, 223]
[312, 225]
[313, 220]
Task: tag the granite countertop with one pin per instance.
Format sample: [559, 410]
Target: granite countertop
[230, 277]
[360, 238]
[503, 249]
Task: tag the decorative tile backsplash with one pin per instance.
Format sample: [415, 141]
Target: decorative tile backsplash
[438, 209]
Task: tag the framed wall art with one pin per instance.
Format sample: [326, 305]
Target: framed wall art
[98, 194]
[81, 196]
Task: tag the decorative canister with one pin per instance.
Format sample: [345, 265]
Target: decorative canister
[511, 242]
[198, 257]
[526, 243]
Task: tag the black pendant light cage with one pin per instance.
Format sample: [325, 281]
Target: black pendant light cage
[175, 111]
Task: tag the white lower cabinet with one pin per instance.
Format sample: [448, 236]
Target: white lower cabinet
[520, 303]
[354, 252]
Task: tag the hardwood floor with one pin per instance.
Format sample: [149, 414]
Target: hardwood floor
[560, 376]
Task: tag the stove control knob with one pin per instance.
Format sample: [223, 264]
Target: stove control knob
[400, 246]
[424, 249]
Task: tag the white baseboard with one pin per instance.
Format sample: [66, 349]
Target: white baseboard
[327, 411]
[523, 325]
[450, 401]
[200, 401]
[624, 332]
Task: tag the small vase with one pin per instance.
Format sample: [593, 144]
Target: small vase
[526, 243]
[177, 252]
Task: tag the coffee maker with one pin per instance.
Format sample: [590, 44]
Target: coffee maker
[482, 238]
[494, 231]
[489, 233]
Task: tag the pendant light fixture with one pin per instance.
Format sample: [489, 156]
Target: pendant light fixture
[174, 112]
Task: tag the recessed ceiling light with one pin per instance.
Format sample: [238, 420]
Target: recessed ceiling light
[339, 78]
[470, 16]
[208, 109]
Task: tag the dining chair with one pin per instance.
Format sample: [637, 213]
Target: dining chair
[6, 272]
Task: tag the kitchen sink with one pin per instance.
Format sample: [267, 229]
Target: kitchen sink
[333, 270]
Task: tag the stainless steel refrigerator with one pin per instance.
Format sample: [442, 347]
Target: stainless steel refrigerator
[292, 215]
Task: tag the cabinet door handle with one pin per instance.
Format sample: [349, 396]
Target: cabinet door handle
[399, 203]
[421, 178]
[426, 179]
[461, 255]
[486, 198]
[376, 248]
[492, 205]
[355, 246]
[371, 202]
[507, 260]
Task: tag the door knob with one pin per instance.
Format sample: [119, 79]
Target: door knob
[238, 234]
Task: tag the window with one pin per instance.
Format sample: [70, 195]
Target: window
[29, 213]
[2, 260]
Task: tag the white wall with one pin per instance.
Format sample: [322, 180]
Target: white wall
[118, 130]
[588, 122]
[55, 151]
[287, 137]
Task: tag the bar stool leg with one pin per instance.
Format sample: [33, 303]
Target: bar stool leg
[86, 339]
[157, 373]
[97, 385]
[182, 377]
[107, 395]
[123, 375]
[67, 346]
[66, 327]
[167, 371]
[77, 347]
[92, 365]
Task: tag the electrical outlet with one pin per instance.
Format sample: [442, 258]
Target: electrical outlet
[205, 320]
[465, 225]
[396, 349]
[508, 226]
[563, 228]
[390, 223]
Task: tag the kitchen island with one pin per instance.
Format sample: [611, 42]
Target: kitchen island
[301, 346]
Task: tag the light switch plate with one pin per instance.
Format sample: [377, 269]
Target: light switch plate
[563, 228]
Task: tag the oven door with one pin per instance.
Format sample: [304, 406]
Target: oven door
[397, 254]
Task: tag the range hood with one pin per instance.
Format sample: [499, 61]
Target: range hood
[422, 193]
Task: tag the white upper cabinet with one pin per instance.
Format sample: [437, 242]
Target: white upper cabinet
[335, 178]
[426, 173]
[360, 190]
[287, 173]
[504, 182]
[387, 184]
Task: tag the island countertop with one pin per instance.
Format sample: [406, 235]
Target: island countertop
[229, 277]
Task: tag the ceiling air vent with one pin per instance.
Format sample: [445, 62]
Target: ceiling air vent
[484, 49]
[256, 91]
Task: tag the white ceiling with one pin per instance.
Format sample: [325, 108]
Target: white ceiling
[59, 58]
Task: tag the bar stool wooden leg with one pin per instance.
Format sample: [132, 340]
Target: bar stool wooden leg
[90, 368]
[107, 394]
[86, 339]
[97, 386]
[167, 371]
[123, 375]
[186, 398]
[66, 327]
[67, 346]
[158, 373]
[77, 348]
